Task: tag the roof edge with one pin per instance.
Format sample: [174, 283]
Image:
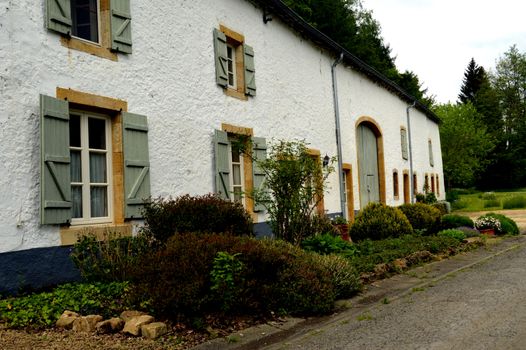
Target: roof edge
[299, 24]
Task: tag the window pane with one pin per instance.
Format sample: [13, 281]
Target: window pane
[97, 133]
[235, 155]
[75, 166]
[97, 167]
[85, 19]
[74, 131]
[238, 194]
[99, 202]
[76, 198]
[236, 170]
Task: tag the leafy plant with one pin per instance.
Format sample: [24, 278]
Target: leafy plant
[443, 206]
[328, 244]
[295, 182]
[44, 309]
[339, 220]
[225, 277]
[453, 233]
[379, 221]
[164, 217]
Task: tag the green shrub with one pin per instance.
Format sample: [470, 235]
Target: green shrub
[328, 244]
[469, 231]
[208, 213]
[275, 276]
[454, 221]
[110, 259]
[459, 204]
[491, 203]
[452, 196]
[426, 198]
[488, 196]
[514, 202]
[422, 216]
[344, 276]
[507, 225]
[378, 221]
[321, 224]
[44, 309]
[225, 277]
[443, 206]
[453, 233]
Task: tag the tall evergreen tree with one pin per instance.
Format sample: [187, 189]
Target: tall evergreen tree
[473, 78]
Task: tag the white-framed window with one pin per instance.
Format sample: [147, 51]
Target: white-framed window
[231, 66]
[85, 20]
[237, 180]
[90, 169]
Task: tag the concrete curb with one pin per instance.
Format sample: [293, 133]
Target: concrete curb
[390, 289]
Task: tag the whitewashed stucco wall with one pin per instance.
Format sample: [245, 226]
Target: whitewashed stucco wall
[170, 77]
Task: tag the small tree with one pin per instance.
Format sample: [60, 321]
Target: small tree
[294, 185]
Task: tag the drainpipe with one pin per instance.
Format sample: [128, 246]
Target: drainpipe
[411, 187]
[338, 135]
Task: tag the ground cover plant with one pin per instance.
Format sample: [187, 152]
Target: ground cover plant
[453, 233]
[371, 253]
[43, 309]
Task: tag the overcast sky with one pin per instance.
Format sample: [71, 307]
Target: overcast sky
[437, 38]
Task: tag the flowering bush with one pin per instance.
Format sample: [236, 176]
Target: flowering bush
[486, 223]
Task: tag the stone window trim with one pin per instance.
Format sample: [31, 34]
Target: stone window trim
[113, 107]
[236, 40]
[349, 198]
[396, 186]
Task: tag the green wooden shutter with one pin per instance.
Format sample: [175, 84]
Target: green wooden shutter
[403, 137]
[222, 164]
[58, 16]
[250, 71]
[55, 180]
[121, 35]
[220, 58]
[259, 153]
[136, 163]
[431, 160]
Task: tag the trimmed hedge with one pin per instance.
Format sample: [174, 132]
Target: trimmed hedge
[379, 221]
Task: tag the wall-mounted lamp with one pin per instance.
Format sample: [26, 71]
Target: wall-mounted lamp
[267, 17]
[326, 160]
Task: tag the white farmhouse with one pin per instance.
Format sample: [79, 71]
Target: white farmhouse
[106, 102]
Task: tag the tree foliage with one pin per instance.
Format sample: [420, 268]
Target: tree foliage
[465, 143]
[473, 78]
[294, 185]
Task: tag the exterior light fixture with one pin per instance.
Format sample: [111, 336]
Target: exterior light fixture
[326, 160]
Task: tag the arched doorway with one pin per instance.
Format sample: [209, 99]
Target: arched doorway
[370, 162]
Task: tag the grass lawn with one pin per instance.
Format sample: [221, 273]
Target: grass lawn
[494, 200]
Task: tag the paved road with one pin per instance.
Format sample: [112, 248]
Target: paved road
[483, 307]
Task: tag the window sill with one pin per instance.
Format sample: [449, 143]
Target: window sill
[70, 235]
[235, 93]
[93, 49]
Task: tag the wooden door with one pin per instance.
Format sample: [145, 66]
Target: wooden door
[368, 164]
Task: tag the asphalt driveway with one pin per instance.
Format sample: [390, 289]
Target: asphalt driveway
[483, 307]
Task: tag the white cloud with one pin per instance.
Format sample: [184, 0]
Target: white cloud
[437, 38]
